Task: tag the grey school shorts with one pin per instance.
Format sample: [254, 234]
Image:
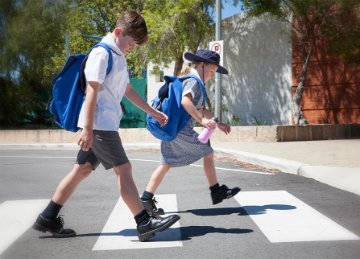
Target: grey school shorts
[106, 149]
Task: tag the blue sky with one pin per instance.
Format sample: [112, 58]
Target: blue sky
[229, 10]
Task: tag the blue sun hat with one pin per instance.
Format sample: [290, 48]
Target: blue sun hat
[207, 56]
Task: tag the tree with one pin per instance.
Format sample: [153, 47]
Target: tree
[29, 37]
[32, 37]
[310, 21]
[176, 26]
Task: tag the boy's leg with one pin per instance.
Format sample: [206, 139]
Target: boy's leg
[68, 185]
[218, 193]
[48, 220]
[147, 197]
[127, 188]
[146, 225]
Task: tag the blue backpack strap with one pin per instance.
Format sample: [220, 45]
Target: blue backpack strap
[108, 49]
[82, 83]
[201, 85]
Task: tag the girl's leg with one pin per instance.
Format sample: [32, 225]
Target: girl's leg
[147, 198]
[218, 193]
[157, 177]
[209, 169]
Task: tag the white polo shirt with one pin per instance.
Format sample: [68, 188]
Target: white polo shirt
[108, 111]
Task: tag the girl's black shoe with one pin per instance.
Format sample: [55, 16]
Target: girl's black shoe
[223, 193]
[150, 206]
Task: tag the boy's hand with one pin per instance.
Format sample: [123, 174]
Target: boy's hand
[224, 128]
[160, 117]
[85, 139]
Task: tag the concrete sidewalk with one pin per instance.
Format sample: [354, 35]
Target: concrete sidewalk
[334, 162]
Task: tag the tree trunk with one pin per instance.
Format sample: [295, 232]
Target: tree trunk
[299, 118]
[178, 65]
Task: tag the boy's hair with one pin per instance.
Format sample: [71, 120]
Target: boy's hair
[133, 25]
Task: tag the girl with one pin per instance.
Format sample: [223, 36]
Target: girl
[186, 148]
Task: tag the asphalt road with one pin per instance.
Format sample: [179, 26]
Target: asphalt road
[274, 216]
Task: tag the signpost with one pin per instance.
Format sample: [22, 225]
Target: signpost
[218, 46]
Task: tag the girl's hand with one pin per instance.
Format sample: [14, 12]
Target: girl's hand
[208, 123]
[224, 128]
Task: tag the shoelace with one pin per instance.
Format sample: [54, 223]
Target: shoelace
[155, 201]
[60, 220]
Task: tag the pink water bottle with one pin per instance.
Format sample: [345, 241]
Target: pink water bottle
[206, 133]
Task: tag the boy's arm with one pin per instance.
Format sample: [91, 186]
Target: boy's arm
[136, 99]
[86, 135]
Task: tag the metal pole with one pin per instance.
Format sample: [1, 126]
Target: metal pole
[67, 45]
[217, 75]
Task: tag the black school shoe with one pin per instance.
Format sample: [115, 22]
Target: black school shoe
[223, 193]
[151, 208]
[155, 224]
[54, 226]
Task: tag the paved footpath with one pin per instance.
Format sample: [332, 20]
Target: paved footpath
[334, 162]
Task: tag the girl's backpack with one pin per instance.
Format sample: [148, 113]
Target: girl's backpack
[69, 89]
[168, 101]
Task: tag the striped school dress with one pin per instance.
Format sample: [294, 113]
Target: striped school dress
[186, 148]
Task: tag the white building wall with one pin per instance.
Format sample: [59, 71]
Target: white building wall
[154, 80]
[257, 53]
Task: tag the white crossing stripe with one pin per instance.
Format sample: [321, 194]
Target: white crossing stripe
[16, 217]
[284, 218]
[120, 230]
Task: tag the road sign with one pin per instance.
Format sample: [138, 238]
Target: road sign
[218, 47]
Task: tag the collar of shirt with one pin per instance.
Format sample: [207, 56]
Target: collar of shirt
[109, 40]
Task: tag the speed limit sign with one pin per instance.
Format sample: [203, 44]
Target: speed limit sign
[218, 47]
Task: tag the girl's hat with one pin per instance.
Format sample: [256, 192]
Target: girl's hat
[207, 56]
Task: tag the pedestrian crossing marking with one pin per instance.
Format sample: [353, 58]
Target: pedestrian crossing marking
[120, 232]
[284, 218]
[16, 217]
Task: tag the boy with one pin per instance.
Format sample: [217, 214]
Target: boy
[99, 140]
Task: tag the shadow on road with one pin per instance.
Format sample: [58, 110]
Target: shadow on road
[194, 231]
[186, 232]
[242, 211]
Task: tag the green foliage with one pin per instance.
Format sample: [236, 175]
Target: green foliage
[32, 43]
[258, 122]
[343, 31]
[29, 37]
[175, 27]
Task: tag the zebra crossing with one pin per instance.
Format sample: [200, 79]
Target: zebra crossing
[279, 215]
[13, 221]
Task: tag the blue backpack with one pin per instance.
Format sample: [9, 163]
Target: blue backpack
[168, 101]
[69, 90]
